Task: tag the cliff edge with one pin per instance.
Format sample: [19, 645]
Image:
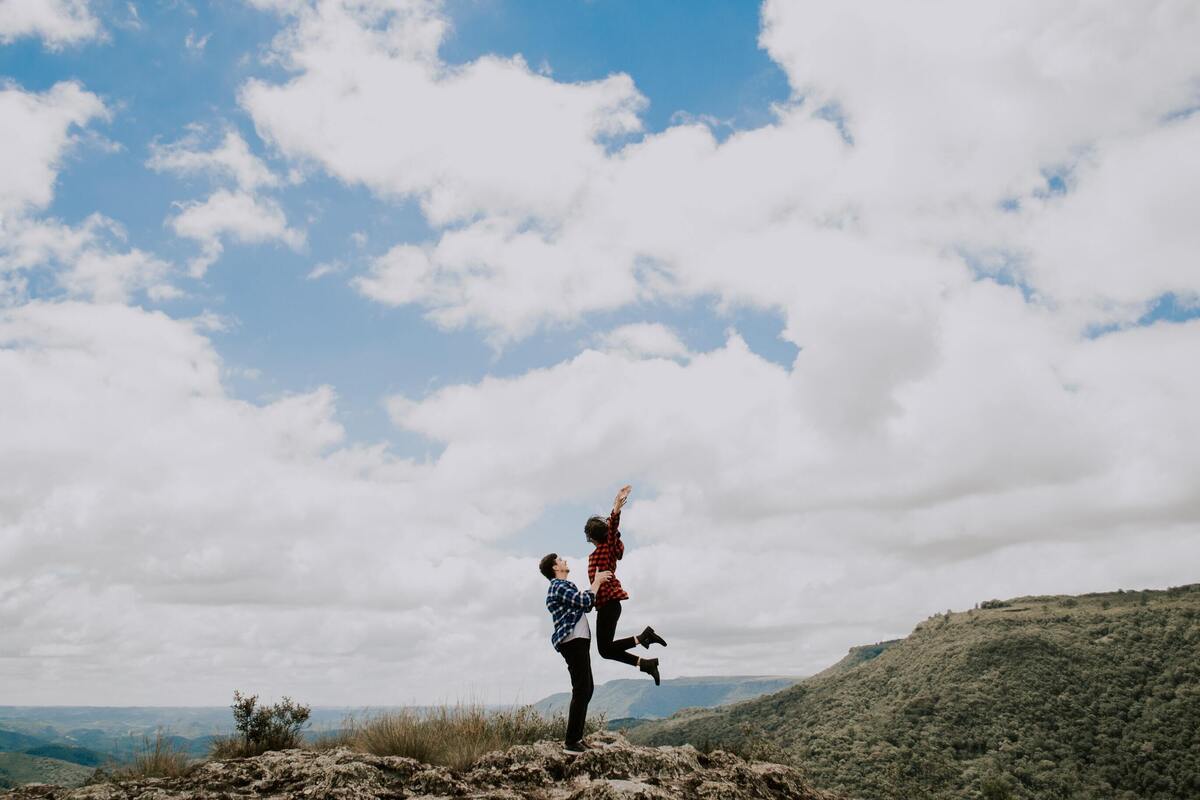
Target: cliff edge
[617, 770]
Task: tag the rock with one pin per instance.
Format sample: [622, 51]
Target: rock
[616, 771]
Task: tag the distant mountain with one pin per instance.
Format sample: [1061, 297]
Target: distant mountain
[1094, 696]
[19, 768]
[641, 699]
[117, 733]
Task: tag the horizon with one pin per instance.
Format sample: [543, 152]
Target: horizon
[322, 322]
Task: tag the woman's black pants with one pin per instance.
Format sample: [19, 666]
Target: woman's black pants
[606, 628]
[577, 653]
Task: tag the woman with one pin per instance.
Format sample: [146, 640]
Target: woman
[606, 536]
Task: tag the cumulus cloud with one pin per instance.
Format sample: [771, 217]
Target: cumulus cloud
[238, 215]
[1018, 444]
[55, 22]
[404, 123]
[243, 214]
[137, 490]
[39, 132]
[231, 159]
[940, 118]
[87, 260]
[644, 340]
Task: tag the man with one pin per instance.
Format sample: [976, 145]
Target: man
[572, 638]
[606, 536]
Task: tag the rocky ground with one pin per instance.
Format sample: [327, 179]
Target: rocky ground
[616, 771]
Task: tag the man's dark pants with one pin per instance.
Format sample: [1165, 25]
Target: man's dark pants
[577, 654]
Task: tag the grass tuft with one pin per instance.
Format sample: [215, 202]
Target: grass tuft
[451, 736]
[159, 757]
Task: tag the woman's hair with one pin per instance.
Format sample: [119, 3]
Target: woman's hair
[596, 529]
[546, 565]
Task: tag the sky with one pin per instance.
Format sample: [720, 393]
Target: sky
[321, 321]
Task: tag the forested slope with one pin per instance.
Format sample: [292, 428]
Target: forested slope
[1095, 696]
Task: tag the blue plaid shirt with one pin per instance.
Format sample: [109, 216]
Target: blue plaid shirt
[567, 604]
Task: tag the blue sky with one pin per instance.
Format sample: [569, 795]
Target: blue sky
[297, 334]
[833, 290]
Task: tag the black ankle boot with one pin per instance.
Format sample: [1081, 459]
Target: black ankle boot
[650, 667]
[649, 637]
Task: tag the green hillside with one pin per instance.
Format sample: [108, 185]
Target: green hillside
[641, 699]
[14, 740]
[75, 755]
[19, 768]
[1096, 696]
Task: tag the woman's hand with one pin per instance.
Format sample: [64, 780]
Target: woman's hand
[622, 496]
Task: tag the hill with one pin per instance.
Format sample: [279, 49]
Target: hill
[1095, 696]
[75, 755]
[641, 699]
[13, 740]
[536, 772]
[20, 768]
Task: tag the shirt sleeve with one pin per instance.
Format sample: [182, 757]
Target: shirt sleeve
[569, 594]
[578, 599]
[614, 535]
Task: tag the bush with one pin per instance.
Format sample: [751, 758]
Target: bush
[262, 728]
[454, 736]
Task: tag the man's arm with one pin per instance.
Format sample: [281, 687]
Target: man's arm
[570, 594]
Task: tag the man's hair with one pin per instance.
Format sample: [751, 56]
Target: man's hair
[596, 529]
[546, 565]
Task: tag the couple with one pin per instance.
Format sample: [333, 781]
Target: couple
[568, 607]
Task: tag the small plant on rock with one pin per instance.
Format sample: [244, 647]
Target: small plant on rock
[262, 728]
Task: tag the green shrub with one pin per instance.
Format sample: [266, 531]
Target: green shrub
[262, 728]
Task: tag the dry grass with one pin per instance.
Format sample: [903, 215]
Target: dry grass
[157, 758]
[452, 736]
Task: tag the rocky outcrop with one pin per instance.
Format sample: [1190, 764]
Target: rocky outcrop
[615, 771]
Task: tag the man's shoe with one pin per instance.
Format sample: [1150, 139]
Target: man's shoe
[575, 748]
[649, 637]
[650, 667]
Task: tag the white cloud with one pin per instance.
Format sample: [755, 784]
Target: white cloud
[1125, 233]
[244, 214]
[136, 489]
[239, 215]
[38, 134]
[1020, 443]
[325, 268]
[372, 103]
[56, 22]
[951, 113]
[194, 43]
[232, 159]
[87, 260]
[644, 340]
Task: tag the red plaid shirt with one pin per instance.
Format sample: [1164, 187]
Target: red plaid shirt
[605, 557]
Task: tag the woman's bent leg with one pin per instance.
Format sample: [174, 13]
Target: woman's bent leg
[606, 628]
